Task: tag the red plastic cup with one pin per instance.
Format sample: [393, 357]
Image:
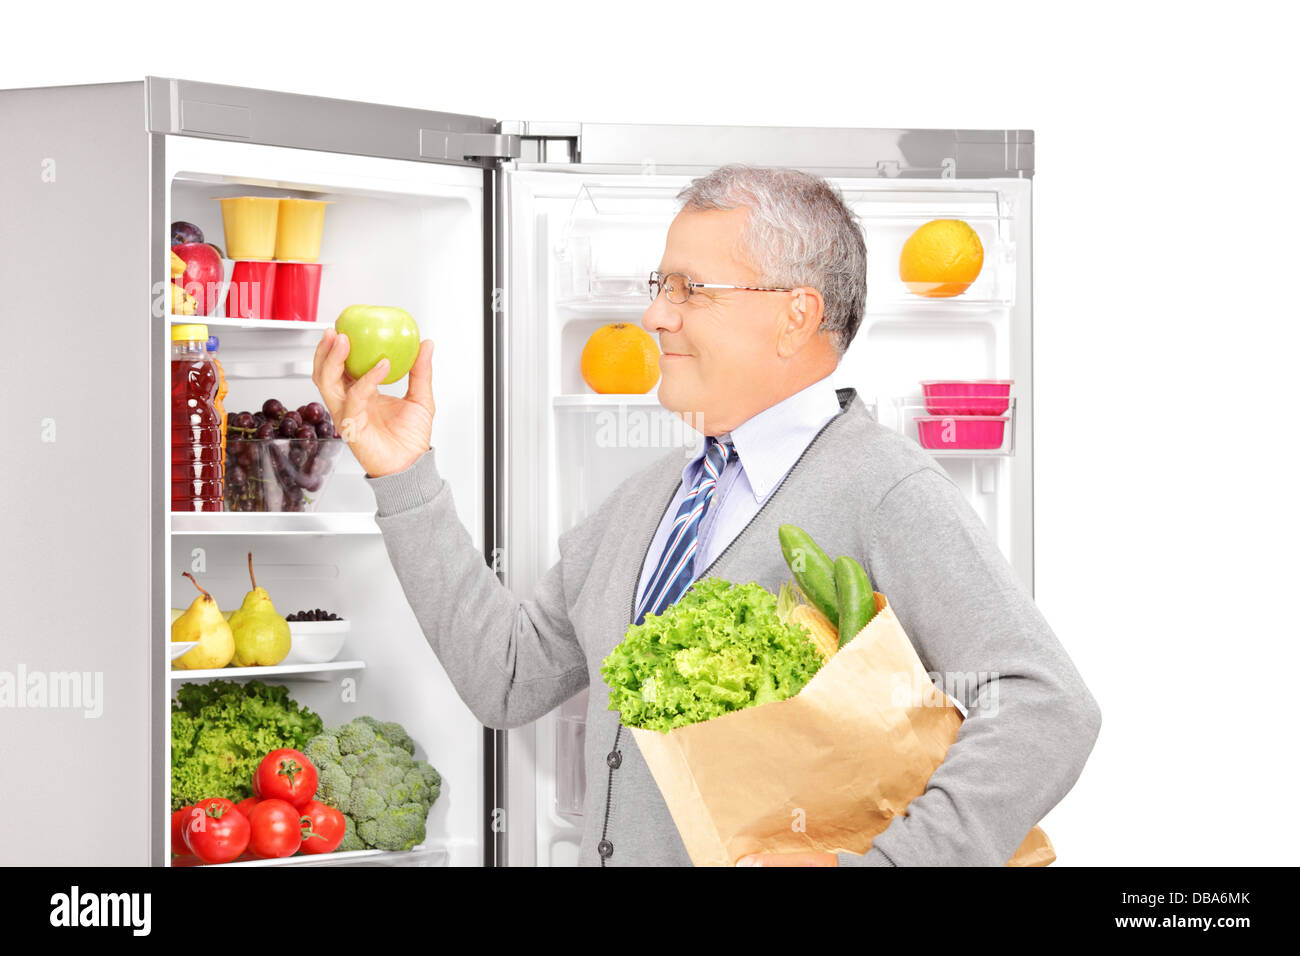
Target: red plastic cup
[252, 289]
[977, 397]
[982, 432]
[297, 291]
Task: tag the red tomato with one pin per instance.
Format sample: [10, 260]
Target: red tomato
[178, 832]
[323, 829]
[246, 805]
[285, 775]
[276, 830]
[216, 832]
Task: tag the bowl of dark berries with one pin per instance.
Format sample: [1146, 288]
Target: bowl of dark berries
[316, 636]
[277, 459]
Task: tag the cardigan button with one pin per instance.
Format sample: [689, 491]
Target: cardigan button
[614, 759]
[605, 849]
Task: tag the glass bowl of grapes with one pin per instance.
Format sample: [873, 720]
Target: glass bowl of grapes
[279, 459]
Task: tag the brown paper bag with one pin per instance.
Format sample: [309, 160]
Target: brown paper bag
[825, 770]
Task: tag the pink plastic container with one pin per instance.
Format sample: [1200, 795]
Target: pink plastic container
[985, 396]
[297, 291]
[252, 289]
[975, 432]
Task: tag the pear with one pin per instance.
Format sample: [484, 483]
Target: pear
[261, 634]
[204, 623]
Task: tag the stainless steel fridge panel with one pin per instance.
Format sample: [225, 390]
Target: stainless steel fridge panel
[186, 108]
[78, 524]
[829, 151]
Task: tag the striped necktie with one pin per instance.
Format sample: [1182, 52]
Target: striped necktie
[676, 568]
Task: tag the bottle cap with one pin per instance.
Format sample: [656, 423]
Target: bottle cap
[214, 343]
[189, 333]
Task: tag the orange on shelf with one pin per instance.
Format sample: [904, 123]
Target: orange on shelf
[941, 259]
[620, 358]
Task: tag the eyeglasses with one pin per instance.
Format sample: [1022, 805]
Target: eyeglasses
[679, 287]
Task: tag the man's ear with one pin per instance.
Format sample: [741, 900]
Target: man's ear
[800, 320]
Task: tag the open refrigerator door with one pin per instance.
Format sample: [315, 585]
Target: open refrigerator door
[396, 233]
[578, 241]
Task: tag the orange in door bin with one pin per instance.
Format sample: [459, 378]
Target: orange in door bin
[620, 358]
[941, 259]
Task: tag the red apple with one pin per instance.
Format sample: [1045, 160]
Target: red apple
[203, 274]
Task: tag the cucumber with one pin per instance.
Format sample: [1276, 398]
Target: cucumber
[812, 569]
[857, 600]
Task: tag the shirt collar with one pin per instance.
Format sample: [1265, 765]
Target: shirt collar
[769, 443]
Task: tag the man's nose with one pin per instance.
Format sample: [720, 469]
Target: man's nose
[661, 316]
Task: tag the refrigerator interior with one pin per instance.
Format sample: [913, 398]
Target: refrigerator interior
[579, 245]
[396, 233]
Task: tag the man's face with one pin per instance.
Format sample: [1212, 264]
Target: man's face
[719, 346]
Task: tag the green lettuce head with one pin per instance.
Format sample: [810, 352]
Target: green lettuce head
[720, 648]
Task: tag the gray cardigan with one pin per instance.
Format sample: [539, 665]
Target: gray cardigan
[859, 489]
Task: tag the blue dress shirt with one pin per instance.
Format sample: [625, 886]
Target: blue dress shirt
[767, 445]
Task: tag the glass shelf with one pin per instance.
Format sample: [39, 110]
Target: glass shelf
[303, 671]
[274, 522]
[269, 325]
[417, 856]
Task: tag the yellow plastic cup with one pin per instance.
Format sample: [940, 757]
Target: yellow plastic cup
[250, 224]
[298, 234]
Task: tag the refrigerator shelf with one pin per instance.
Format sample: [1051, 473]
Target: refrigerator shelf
[274, 522]
[274, 325]
[268, 369]
[957, 307]
[416, 856]
[597, 400]
[318, 672]
[614, 306]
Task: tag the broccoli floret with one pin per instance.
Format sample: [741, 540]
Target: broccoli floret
[356, 738]
[368, 771]
[397, 828]
[350, 839]
[335, 786]
[323, 749]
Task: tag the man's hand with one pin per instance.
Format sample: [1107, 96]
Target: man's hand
[789, 859]
[386, 434]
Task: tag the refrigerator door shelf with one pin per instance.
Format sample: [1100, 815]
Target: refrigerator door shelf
[909, 415]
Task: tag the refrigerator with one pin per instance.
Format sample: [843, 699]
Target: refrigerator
[510, 242]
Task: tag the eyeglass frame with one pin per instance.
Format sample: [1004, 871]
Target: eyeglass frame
[656, 281]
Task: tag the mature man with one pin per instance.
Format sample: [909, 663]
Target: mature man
[761, 288]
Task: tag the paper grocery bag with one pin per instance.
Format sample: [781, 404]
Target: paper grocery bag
[825, 770]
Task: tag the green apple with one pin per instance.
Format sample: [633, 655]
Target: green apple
[379, 332]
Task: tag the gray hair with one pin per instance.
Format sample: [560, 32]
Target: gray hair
[800, 233]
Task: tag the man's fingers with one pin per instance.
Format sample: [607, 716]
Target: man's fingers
[419, 383]
[322, 349]
[363, 390]
[327, 370]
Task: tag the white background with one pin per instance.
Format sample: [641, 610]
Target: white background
[1165, 295]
